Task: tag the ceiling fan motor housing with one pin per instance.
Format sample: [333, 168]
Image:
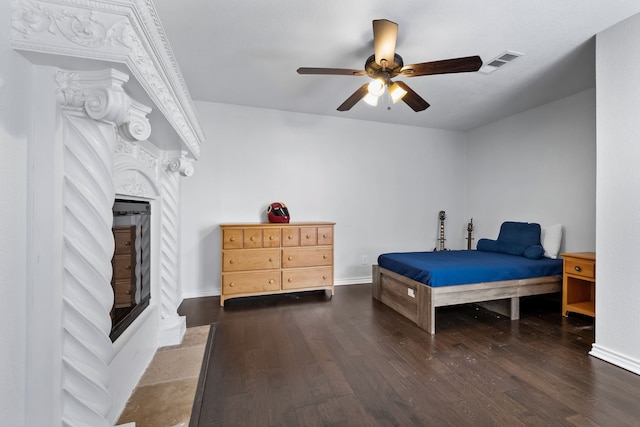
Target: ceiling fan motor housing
[387, 70]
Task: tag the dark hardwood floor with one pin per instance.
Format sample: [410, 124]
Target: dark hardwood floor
[305, 360]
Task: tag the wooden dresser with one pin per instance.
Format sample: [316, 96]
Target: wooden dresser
[266, 258]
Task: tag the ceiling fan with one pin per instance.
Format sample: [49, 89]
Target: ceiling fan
[385, 64]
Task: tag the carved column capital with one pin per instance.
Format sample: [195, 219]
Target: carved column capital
[99, 95]
[137, 127]
[182, 164]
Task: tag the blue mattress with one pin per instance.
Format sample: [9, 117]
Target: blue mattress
[447, 268]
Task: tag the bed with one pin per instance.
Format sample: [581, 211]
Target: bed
[497, 274]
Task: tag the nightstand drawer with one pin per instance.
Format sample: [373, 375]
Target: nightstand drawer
[579, 267]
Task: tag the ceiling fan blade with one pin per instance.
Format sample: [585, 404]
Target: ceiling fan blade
[412, 99]
[385, 34]
[354, 98]
[446, 66]
[334, 71]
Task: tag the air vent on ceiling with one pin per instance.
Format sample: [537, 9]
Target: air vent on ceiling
[499, 61]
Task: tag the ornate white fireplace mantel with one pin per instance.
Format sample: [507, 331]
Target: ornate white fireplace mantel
[95, 142]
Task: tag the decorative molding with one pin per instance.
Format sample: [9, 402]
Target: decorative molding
[134, 183]
[87, 249]
[110, 30]
[136, 171]
[88, 92]
[172, 326]
[98, 161]
[182, 164]
[137, 128]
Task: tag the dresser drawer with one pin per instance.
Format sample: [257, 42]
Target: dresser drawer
[291, 236]
[271, 238]
[241, 283]
[579, 267]
[232, 238]
[250, 259]
[308, 236]
[252, 238]
[307, 257]
[307, 278]
[123, 293]
[124, 239]
[122, 267]
[325, 236]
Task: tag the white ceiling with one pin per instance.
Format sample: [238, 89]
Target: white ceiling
[246, 52]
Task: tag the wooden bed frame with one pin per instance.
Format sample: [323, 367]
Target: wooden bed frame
[418, 302]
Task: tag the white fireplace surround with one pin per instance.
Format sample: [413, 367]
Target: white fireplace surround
[103, 72]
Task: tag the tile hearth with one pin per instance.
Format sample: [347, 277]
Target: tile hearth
[165, 393]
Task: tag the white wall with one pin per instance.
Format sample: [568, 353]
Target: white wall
[15, 79]
[618, 195]
[382, 184]
[537, 166]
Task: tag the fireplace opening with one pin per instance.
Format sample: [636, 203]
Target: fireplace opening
[131, 263]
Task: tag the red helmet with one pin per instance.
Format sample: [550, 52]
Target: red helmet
[278, 212]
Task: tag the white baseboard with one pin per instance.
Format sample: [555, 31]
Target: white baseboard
[201, 294]
[338, 282]
[353, 281]
[615, 358]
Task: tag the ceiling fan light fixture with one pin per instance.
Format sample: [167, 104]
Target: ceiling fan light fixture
[371, 99]
[376, 87]
[396, 92]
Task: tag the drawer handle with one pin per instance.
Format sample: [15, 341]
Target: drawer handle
[233, 239]
[128, 267]
[252, 238]
[290, 258]
[232, 284]
[270, 259]
[231, 261]
[324, 235]
[324, 277]
[127, 243]
[128, 292]
[271, 281]
[290, 280]
[270, 237]
[577, 268]
[290, 237]
[308, 236]
[324, 257]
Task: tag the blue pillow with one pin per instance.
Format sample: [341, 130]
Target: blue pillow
[487, 245]
[534, 252]
[524, 233]
[511, 247]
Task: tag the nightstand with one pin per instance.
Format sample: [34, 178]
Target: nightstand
[579, 283]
